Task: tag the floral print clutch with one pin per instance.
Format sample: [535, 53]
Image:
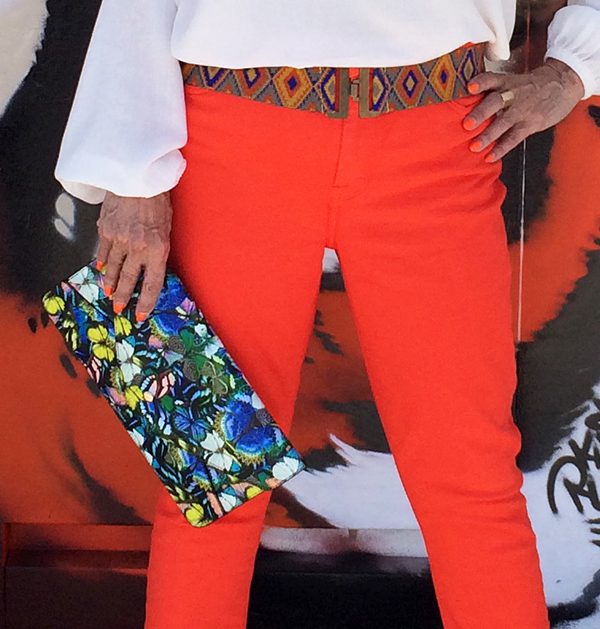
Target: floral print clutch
[177, 392]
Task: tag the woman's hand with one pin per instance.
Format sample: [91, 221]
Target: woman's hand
[134, 234]
[541, 99]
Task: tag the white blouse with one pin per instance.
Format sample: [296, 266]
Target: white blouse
[127, 122]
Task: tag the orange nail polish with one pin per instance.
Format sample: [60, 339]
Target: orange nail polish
[99, 265]
[490, 159]
[108, 291]
[118, 308]
[469, 124]
[473, 88]
[476, 146]
[140, 316]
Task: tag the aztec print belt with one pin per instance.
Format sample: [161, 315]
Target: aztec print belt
[327, 90]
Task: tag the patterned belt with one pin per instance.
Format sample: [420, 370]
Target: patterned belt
[327, 90]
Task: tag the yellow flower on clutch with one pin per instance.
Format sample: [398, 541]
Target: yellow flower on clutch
[102, 344]
[252, 491]
[122, 325]
[53, 304]
[194, 514]
[71, 333]
[133, 395]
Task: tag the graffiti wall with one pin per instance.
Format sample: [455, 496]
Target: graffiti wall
[66, 460]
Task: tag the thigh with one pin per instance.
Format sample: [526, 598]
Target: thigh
[424, 254]
[248, 231]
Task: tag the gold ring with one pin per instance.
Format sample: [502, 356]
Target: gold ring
[507, 97]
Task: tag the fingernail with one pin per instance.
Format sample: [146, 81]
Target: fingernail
[118, 308]
[108, 290]
[99, 265]
[469, 123]
[489, 158]
[140, 316]
[476, 146]
[473, 88]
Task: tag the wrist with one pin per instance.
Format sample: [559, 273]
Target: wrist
[566, 76]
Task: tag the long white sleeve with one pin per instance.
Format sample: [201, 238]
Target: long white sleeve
[127, 121]
[574, 38]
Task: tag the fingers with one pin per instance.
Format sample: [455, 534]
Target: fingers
[123, 271]
[506, 135]
[486, 81]
[154, 276]
[488, 107]
[128, 277]
[507, 143]
[102, 253]
[134, 235]
[116, 255]
[503, 126]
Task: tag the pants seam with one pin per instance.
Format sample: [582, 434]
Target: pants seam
[333, 202]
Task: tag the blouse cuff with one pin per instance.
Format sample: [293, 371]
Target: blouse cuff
[573, 39]
[159, 180]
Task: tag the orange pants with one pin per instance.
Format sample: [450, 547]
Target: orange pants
[415, 218]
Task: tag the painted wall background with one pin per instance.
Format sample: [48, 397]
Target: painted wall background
[66, 462]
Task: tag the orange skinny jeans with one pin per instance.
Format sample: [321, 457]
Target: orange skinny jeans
[415, 219]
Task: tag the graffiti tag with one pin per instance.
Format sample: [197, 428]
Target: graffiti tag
[583, 463]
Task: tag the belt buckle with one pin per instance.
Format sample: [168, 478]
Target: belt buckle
[357, 89]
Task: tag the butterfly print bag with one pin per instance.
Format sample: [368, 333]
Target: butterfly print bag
[177, 392]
